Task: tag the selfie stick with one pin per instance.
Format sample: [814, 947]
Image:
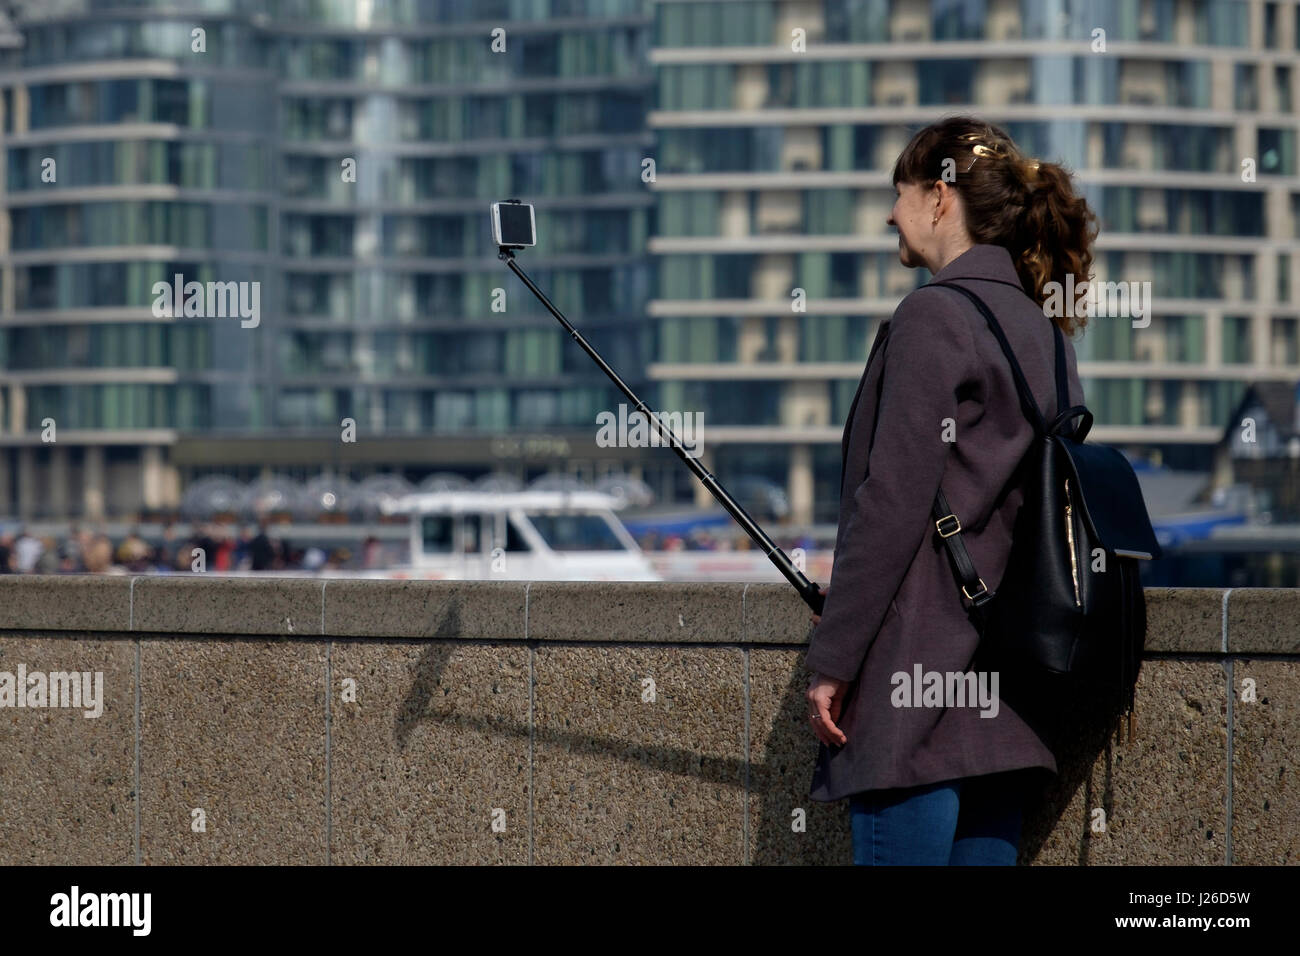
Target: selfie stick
[808, 590]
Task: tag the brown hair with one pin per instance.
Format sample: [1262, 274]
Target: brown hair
[1027, 206]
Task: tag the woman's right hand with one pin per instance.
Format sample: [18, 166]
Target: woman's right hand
[817, 618]
[826, 697]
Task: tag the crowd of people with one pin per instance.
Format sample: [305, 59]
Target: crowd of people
[208, 547]
[217, 546]
[703, 540]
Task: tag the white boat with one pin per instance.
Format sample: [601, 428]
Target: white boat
[518, 536]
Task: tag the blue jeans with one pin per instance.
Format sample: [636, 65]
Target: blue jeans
[973, 821]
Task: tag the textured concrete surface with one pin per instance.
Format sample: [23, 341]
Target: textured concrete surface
[785, 826]
[375, 722]
[67, 784]
[644, 613]
[201, 604]
[623, 778]
[470, 610]
[1114, 816]
[770, 617]
[1264, 620]
[1184, 620]
[236, 729]
[67, 602]
[430, 755]
[1265, 762]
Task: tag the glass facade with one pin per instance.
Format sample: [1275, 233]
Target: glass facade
[380, 290]
[340, 154]
[775, 165]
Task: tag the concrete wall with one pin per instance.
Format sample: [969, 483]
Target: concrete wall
[523, 704]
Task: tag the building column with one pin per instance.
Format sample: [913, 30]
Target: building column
[1265, 278]
[92, 489]
[17, 409]
[152, 479]
[800, 482]
[1245, 140]
[58, 481]
[1214, 339]
[26, 483]
[6, 481]
[1261, 330]
[702, 497]
[1189, 406]
[171, 486]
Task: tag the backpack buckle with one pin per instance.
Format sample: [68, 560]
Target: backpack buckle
[948, 534]
[981, 593]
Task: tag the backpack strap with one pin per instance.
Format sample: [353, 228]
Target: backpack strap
[949, 527]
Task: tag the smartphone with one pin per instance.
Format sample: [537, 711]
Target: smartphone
[513, 224]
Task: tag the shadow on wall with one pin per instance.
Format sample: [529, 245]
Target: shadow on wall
[1083, 731]
[784, 755]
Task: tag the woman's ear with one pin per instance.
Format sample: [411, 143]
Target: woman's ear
[937, 201]
[945, 196]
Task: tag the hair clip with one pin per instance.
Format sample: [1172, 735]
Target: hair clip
[979, 149]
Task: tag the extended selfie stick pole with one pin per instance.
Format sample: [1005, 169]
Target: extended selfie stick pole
[807, 589]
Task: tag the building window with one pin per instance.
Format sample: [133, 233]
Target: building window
[1277, 152]
[1222, 22]
[959, 19]
[1245, 89]
[1238, 348]
[1284, 343]
[946, 82]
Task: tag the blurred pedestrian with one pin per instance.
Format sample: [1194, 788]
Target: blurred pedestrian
[48, 562]
[260, 550]
[27, 548]
[98, 556]
[134, 552]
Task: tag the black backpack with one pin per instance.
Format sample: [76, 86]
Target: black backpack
[1054, 618]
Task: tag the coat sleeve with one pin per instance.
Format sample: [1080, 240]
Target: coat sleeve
[929, 360]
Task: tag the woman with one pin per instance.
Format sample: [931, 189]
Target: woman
[935, 766]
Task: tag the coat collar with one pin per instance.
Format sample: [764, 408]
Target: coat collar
[981, 261]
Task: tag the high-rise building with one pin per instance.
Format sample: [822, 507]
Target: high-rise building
[332, 162]
[712, 182]
[778, 123]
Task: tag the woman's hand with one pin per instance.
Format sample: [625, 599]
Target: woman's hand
[825, 695]
[817, 618]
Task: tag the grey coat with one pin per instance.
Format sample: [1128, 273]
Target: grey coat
[893, 601]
